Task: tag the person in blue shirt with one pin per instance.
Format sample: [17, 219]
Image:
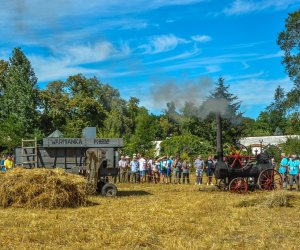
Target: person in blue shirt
[2, 168]
[169, 169]
[283, 169]
[293, 168]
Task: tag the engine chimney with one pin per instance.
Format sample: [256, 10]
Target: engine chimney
[219, 137]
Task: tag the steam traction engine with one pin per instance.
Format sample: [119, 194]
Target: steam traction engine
[240, 173]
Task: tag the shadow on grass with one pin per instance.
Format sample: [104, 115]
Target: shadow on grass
[132, 193]
[91, 204]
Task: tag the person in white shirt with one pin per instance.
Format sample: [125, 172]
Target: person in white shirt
[123, 169]
[142, 165]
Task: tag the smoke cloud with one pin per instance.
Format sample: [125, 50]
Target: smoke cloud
[190, 97]
[179, 93]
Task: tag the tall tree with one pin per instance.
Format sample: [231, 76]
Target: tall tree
[53, 100]
[222, 101]
[289, 42]
[84, 107]
[277, 111]
[20, 96]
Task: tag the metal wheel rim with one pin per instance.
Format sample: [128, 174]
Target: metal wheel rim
[110, 192]
[269, 179]
[238, 185]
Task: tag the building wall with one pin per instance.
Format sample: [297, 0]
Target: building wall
[255, 142]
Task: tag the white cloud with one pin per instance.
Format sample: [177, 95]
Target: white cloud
[31, 14]
[201, 38]
[245, 6]
[212, 69]
[257, 91]
[162, 43]
[67, 60]
[90, 53]
[187, 54]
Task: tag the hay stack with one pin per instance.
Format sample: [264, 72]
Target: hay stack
[42, 188]
[278, 198]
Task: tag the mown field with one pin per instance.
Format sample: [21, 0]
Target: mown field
[148, 216]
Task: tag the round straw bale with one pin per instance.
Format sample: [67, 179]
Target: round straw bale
[42, 188]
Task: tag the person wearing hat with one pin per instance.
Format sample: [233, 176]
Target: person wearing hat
[134, 166]
[123, 169]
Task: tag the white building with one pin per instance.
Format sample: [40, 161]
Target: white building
[257, 142]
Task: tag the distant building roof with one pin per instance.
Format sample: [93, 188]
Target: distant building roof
[265, 140]
[56, 134]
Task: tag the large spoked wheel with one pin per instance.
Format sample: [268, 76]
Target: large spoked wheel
[238, 185]
[109, 190]
[269, 179]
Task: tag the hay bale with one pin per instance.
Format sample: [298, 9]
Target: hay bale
[42, 188]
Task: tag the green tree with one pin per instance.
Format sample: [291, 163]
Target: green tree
[53, 100]
[289, 42]
[19, 98]
[227, 104]
[3, 74]
[144, 134]
[291, 146]
[85, 106]
[186, 146]
[277, 111]
[262, 125]
[293, 124]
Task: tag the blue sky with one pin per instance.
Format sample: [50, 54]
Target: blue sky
[140, 45]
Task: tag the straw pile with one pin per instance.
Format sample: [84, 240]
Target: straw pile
[279, 198]
[42, 188]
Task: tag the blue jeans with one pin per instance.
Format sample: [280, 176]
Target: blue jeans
[199, 173]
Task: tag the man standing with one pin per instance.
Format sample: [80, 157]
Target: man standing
[123, 169]
[185, 172]
[142, 166]
[293, 167]
[134, 165]
[169, 169]
[283, 169]
[209, 170]
[199, 164]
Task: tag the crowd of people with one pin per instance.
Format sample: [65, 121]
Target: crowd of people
[6, 162]
[289, 170]
[166, 169]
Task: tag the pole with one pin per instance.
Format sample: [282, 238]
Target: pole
[219, 137]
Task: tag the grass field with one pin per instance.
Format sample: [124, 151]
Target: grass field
[148, 216]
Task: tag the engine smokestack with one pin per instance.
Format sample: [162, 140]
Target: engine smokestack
[219, 137]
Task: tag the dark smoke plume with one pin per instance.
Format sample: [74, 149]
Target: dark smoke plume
[190, 97]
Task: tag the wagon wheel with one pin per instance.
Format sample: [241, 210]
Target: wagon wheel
[237, 159]
[239, 185]
[222, 185]
[269, 179]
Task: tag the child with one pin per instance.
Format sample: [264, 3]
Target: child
[2, 164]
